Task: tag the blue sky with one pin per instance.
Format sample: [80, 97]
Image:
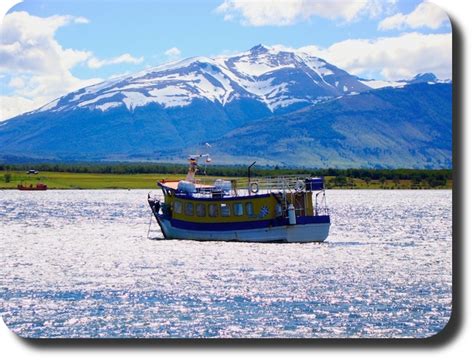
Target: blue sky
[96, 40]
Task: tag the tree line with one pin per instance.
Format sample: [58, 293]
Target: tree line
[341, 175]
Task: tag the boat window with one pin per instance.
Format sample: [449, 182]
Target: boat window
[225, 210]
[200, 210]
[189, 209]
[178, 207]
[278, 210]
[249, 208]
[238, 209]
[212, 210]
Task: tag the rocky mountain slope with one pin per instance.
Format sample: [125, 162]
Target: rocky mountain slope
[236, 101]
[409, 127]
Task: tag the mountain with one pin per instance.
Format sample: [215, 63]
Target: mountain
[409, 127]
[156, 113]
[174, 105]
[424, 78]
[276, 79]
[429, 78]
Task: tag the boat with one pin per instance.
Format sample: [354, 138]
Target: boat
[273, 209]
[31, 187]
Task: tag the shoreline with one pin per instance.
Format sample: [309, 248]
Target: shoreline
[156, 189]
[99, 181]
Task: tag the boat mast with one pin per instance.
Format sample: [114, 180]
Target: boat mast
[248, 175]
[193, 165]
[192, 169]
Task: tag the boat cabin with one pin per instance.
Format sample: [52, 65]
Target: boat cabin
[283, 208]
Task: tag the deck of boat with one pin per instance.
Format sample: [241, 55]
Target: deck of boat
[173, 185]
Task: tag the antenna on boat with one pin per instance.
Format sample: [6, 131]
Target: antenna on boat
[248, 172]
[208, 158]
[193, 164]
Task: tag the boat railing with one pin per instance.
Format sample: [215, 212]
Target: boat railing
[281, 186]
[287, 183]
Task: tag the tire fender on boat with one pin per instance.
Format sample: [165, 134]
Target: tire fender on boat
[300, 186]
[253, 188]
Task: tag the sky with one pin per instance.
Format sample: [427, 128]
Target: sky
[49, 48]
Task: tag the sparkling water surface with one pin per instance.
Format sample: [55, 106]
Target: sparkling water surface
[79, 264]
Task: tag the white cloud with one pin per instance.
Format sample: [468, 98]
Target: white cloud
[287, 12]
[38, 91]
[95, 63]
[27, 44]
[173, 53]
[425, 15]
[81, 20]
[7, 5]
[9, 106]
[393, 58]
[36, 67]
[17, 82]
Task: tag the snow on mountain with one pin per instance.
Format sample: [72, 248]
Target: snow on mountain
[409, 127]
[280, 79]
[378, 84]
[428, 78]
[275, 77]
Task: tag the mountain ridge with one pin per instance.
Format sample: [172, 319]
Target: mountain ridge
[157, 113]
[276, 78]
[385, 128]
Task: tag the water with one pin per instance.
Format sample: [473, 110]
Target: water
[79, 264]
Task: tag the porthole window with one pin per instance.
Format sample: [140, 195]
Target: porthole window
[278, 210]
[178, 207]
[212, 210]
[201, 210]
[249, 208]
[225, 210]
[189, 209]
[238, 209]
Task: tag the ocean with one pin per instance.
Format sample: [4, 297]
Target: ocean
[79, 264]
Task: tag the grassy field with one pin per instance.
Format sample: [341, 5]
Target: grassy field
[354, 183]
[65, 180]
[62, 180]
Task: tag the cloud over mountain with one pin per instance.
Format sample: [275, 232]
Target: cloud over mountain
[282, 13]
[425, 15]
[38, 67]
[392, 58]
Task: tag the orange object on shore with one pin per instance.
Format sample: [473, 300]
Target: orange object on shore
[36, 187]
